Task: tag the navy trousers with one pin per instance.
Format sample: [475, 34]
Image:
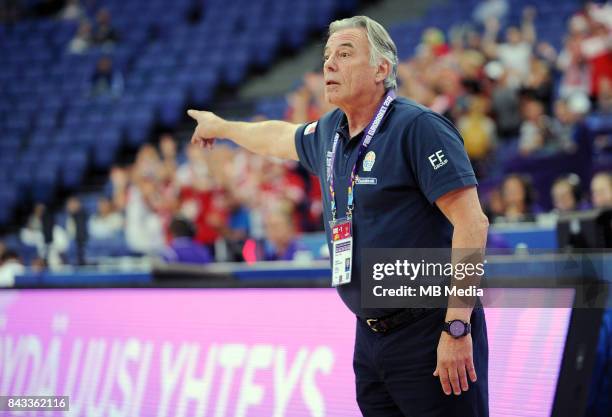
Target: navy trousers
[394, 371]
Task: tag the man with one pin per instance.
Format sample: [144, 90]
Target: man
[76, 226]
[601, 190]
[565, 193]
[415, 184]
[183, 248]
[281, 243]
[10, 267]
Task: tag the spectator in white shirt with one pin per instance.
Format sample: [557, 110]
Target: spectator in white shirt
[106, 223]
[82, 40]
[10, 266]
[515, 53]
[488, 9]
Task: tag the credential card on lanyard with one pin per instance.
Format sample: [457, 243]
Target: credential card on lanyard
[342, 251]
[342, 236]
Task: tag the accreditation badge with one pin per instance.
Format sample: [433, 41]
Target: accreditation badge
[342, 251]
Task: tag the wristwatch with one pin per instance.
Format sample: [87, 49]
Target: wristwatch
[457, 328]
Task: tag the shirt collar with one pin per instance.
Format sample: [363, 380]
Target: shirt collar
[343, 130]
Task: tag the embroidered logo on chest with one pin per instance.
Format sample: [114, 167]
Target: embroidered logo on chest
[368, 161]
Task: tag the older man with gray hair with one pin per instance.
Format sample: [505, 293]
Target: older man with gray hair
[394, 175]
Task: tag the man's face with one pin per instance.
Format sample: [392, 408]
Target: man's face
[167, 145]
[104, 207]
[278, 229]
[563, 197]
[346, 67]
[513, 35]
[533, 110]
[601, 191]
[513, 192]
[73, 205]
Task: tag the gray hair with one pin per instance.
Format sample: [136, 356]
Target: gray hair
[381, 44]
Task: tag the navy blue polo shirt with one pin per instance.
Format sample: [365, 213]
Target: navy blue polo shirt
[415, 157]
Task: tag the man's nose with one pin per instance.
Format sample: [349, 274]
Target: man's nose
[329, 64]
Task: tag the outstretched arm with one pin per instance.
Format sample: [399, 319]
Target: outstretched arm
[268, 138]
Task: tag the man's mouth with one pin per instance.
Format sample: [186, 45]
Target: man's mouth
[331, 82]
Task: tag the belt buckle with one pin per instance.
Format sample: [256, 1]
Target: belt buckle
[372, 324]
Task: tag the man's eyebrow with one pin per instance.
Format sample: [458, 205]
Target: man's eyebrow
[348, 44]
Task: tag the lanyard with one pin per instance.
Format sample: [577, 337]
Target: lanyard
[367, 138]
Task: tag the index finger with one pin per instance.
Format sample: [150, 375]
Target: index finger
[193, 114]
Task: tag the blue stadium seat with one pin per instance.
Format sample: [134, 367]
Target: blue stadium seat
[40, 141]
[6, 170]
[23, 179]
[53, 156]
[236, 68]
[74, 168]
[84, 139]
[172, 108]
[9, 146]
[89, 202]
[107, 247]
[30, 157]
[17, 124]
[599, 123]
[266, 50]
[6, 213]
[203, 86]
[45, 182]
[272, 108]
[105, 148]
[74, 118]
[47, 119]
[8, 195]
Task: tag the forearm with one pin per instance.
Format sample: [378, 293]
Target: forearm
[489, 41]
[270, 138]
[528, 31]
[469, 241]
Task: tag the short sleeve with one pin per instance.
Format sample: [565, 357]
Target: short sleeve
[438, 157]
[308, 146]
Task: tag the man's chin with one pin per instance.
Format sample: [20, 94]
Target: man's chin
[332, 97]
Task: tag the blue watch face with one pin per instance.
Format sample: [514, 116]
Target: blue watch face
[457, 328]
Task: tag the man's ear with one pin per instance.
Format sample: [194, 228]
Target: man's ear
[383, 70]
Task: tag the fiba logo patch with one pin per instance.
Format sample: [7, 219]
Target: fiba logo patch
[368, 161]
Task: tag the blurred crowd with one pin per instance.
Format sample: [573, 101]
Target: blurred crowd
[200, 206]
[228, 194]
[189, 205]
[516, 201]
[510, 95]
[500, 90]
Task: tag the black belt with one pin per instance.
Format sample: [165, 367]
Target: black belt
[387, 323]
